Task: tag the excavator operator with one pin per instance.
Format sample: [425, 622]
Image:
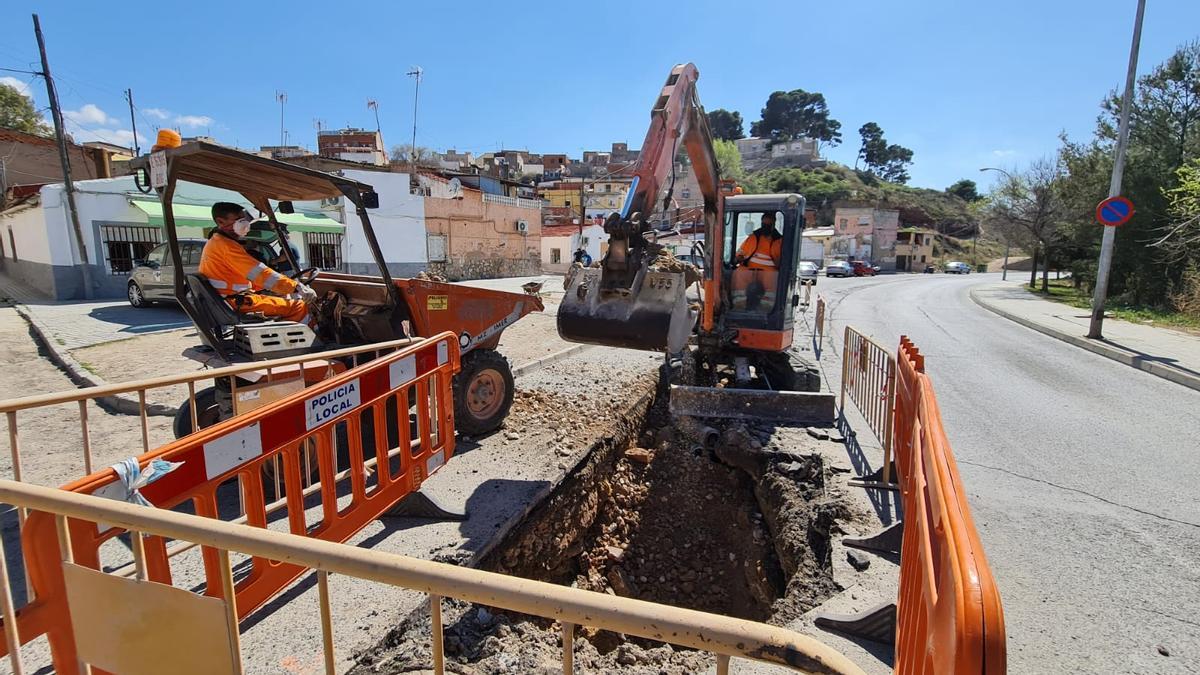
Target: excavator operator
[763, 248]
[238, 277]
[757, 264]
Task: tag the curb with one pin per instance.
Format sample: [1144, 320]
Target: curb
[1097, 347]
[538, 364]
[117, 403]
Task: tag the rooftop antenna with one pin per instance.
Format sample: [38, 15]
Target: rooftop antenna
[416, 72]
[281, 96]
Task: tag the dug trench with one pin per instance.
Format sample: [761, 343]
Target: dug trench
[740, 526]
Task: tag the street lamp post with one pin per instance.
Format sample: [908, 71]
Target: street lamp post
[1007, 243]
[1096, 328]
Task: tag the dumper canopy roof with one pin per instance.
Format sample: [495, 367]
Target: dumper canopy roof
[256, 177]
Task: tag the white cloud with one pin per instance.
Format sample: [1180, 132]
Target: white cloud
[89, 115]
[193, 121]
[123, 137]
[1004, 153]
[157, 113]
[21, 87]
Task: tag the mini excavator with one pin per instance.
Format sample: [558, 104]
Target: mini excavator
[730, 354]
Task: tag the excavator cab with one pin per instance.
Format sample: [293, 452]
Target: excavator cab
[759, 268]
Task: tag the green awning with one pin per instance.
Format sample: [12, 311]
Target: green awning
[188, 215]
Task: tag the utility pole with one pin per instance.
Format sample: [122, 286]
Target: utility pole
[281, 96]
[1096, 329]
[133, 122]
[412, 151]
[85, 267]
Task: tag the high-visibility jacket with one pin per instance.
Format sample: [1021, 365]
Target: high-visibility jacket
[230, 269]
[762, 250]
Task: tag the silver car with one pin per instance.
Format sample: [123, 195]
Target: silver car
[839, 268]
[806, 272]
[153, 278]
[957, 268]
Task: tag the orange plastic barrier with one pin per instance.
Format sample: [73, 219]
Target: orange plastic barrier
[400, 405]
[949, 616]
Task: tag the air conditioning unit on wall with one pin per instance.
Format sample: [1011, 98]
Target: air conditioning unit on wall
[522, 227]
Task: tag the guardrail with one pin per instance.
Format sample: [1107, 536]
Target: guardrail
[869, 378]
[948, 617]
[518, 202]
[69, 513]
[374, 433]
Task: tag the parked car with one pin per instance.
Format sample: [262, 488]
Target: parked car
[863, 269]
[807, 272]
[957, 268]
[153, 278]
[839, 268]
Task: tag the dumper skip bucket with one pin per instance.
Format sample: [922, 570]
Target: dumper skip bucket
[652, 314]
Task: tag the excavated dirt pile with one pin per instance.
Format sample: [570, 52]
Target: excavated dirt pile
[742, 530]
[667, 262]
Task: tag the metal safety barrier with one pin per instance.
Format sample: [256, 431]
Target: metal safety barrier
[819, 318]
[375, 432]
[73, 404]
[213, 641]
[869, 378]
[948, 617]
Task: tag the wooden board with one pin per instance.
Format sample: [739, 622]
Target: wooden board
[257, 395]
[133, 627]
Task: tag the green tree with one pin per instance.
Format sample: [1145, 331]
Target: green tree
[887, 161]
[966, 190]
[873, 150]
[729, 159]
[1030, 202]
[725, 125]
[796, 114]
[404, 153]
[1164, 135]
[18, 112]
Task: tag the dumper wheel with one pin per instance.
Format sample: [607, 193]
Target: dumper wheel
[483, 392]
[208, 412]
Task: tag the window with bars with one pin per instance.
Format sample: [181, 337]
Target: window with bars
[324, 250]
[122, 244]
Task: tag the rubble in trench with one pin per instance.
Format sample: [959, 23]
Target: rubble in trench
[743, 531]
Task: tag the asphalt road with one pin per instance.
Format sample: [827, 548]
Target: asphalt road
[1082, 477]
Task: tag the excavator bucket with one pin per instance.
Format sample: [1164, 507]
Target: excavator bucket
[652, 314]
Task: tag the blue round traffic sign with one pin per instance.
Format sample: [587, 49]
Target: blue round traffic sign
[1114, 211]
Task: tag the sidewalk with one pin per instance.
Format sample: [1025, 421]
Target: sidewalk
[1169, 354]
[74, 324]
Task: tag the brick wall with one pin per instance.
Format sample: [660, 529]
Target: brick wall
[482, 241]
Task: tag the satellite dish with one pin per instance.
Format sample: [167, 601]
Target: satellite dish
[455, 188]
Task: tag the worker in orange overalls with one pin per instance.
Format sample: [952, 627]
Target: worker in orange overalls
[236, 275]
[758, 262]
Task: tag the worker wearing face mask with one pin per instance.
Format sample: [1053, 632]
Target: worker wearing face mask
[237, 276]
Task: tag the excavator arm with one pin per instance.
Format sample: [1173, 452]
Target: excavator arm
[628, 301]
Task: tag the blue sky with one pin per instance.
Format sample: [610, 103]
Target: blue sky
[965, 84]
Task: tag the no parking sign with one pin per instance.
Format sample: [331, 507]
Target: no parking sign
[1114, 211]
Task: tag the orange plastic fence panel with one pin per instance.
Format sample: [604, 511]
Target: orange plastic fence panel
[414, 381]
[949, 618]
